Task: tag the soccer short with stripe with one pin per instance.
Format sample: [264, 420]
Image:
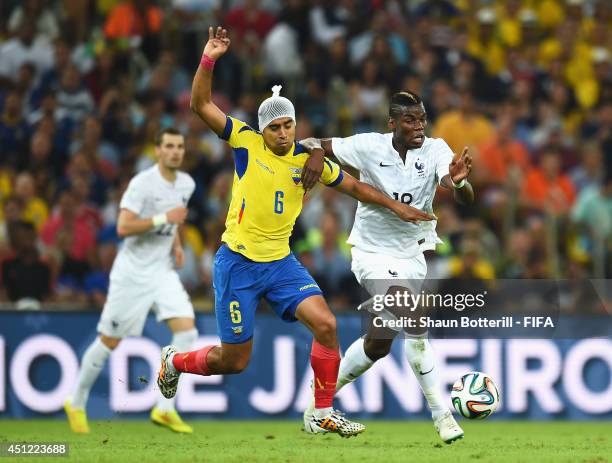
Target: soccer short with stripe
[240, 283]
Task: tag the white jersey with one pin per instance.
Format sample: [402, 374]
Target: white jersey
[377, 229]
[144, 256]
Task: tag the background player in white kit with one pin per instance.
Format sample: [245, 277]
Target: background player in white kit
[143, 275]
[387, 254]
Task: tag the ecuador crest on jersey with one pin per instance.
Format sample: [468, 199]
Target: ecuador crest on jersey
[296, 174]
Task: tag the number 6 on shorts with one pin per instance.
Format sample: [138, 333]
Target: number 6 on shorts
[235, 314]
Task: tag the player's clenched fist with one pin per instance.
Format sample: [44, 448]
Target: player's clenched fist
[218, 43]
[177, 215]
[412, 214]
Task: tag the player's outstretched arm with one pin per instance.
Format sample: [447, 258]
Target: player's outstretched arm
[201, 88]
[368, 194]
[456, 180]
[129, 223]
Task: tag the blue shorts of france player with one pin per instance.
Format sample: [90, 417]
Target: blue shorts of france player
[240, 283]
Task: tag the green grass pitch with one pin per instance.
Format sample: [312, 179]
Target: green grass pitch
[283, 441]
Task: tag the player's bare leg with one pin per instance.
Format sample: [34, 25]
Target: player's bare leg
[225, 359]
[210, 360]
[93, 361]
[325, 360]
[229, 359]
[164, 413]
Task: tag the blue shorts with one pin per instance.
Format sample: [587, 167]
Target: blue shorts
[240, 283]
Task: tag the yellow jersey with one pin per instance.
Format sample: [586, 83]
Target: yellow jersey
[267, 193]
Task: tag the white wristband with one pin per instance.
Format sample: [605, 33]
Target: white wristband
[159, 219]
[459, 185]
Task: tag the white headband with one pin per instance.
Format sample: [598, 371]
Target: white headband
[274, 107]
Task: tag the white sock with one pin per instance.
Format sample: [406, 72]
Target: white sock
[354, 363]
[182, 340]
[92, 363]
[322, 412]
[420, 356]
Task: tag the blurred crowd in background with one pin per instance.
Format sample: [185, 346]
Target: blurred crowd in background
[86, 84]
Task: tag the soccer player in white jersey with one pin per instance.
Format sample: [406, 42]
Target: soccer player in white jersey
[408, 166]
[143, 276]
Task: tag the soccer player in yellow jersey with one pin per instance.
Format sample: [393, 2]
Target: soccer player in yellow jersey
[255, 261]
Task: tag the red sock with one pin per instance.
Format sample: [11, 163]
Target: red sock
[325, 363]
[192, 362]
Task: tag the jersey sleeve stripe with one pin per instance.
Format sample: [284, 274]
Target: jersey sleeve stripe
[241, 160]
[299, 149]
[227, 131]
[337, 181]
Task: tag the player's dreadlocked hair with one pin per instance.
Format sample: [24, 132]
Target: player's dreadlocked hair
[400, 101]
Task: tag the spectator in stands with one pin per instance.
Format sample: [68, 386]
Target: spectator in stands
[330, 263]
[103, 156]
[591, 170]
[484, 44]
[547, 188]
[472, 263]
[139, 21]
[463, 126]
[369, 99]
[24, 84]
[38, 13]
[24, 48]
[40, 151]
[96, 282]
[25, 275]
[166, 77]
[85, 210]
[50, 80]
[593, 214]
[336, 65]
[105, 73]
[82, 166]
[78, 18]
[72, 96]
[71, 238]
[35, 210]
[12, 211]
[517, 254]
[381, 42]
[14, 131]
[249, 18]
[498, 156]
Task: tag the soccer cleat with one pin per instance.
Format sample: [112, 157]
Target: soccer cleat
[170, 420]
[167, 378]
[77, 418]
[309, 415]
[335, 422]
[448, 428]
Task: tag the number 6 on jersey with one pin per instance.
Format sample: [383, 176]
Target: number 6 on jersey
[278, 202]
